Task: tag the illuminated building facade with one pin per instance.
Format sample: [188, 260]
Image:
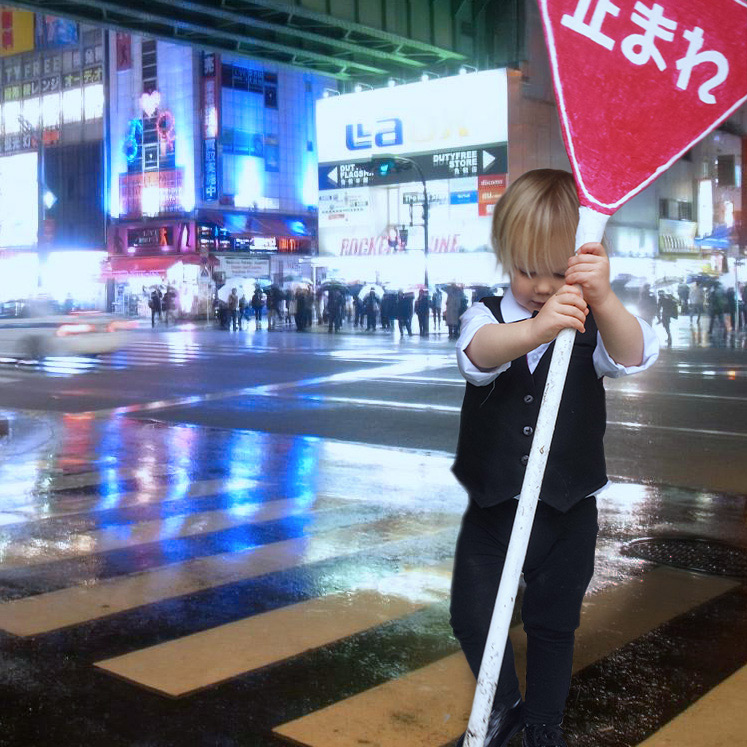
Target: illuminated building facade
[52, 225]
[372, 225]
[214, 163]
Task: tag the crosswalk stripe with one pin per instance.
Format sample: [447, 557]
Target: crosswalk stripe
[78, 604]
[431, 705]
[119, 536]
[154, 493]
[718, 718]
[84, 479]
[203, 659]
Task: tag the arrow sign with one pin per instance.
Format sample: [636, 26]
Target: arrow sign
[639, 83]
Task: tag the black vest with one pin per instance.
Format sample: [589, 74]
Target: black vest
[498, 421]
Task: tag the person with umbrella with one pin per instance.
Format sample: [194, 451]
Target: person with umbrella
[404, 312]
[358, 310]
[667, 310]
[256, 303]
[503, 354]
[155, 303]
[370, 305]
[436, 301]
[422, 309]
[335, 308]
[454, 298]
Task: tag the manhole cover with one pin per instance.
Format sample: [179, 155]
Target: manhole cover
[693, 554]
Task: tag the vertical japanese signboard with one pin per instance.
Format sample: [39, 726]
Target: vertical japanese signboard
[210, 99]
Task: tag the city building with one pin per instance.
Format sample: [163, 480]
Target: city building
[470, 134]
[213, 172]
[52, 225]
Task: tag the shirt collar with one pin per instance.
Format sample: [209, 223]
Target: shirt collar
[511, 310]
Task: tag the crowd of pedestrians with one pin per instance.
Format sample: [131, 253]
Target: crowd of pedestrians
[714, 313]
[162, 306]
[724, 312]
[335, 307]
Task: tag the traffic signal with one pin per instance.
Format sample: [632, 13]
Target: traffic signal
[383, 166]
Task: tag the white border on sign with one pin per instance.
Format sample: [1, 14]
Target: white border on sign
[566, 125]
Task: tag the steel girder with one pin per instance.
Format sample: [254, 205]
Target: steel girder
[281, 32]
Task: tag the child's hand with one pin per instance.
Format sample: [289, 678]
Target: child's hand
[590, 269]
[566, 308]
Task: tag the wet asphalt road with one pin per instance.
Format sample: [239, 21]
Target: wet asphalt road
[165, 455]
[681, 423]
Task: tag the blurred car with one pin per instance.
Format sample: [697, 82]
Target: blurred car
[31, 330]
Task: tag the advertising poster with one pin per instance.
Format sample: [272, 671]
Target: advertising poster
[53, 32]
[16, 31]
[459, 149]
[19, 200]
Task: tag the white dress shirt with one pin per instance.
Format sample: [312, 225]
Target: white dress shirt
[478, 315]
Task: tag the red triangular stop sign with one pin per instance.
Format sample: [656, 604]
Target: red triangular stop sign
[639, 82]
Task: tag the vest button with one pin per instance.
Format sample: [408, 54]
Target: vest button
[528, 399]
[525, 460]
[527, 430]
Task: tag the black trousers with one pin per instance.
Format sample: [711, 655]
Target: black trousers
[557, 571]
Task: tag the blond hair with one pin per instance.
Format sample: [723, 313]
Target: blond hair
[534, 222]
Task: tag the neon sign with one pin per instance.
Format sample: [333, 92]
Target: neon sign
[166, 132]
[133, 141]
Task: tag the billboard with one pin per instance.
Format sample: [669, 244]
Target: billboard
[19, 201]
[53, 32]
[16, 31]
[437, 115]
[454, 133]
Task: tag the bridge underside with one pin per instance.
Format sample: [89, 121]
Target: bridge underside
[276, 31]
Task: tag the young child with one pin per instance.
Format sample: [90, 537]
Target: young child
[504, 354]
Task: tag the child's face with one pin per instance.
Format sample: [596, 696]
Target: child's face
[532, 290]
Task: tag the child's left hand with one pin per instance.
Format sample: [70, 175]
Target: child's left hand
[590, 269]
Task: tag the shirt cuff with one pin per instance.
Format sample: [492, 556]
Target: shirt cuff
[473, 374]
[606, 366]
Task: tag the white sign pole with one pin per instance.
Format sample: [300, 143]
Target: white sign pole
[590, 229]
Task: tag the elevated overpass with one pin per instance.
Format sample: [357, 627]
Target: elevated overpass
[362, 40]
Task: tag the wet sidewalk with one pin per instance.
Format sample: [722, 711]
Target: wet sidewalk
[240, 588]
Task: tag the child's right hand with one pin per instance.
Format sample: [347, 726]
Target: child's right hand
[565, 308]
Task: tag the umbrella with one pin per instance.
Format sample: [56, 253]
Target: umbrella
[241, 284]
[296, 284]
[333, 283]
[366, 291]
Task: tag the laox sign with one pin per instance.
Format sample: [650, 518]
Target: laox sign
[385, 134]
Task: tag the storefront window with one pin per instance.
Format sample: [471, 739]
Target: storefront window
[32, 111]
[51, 110]
[12, 112]
[72, 105]
[94, 101]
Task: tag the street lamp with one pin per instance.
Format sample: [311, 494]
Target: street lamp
[385, 164]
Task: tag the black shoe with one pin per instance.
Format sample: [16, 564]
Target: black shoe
[504, 722]
[543, 735]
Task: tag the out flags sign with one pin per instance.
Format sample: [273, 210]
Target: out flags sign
[638, 83]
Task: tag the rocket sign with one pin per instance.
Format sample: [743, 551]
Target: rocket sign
[639, 82]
